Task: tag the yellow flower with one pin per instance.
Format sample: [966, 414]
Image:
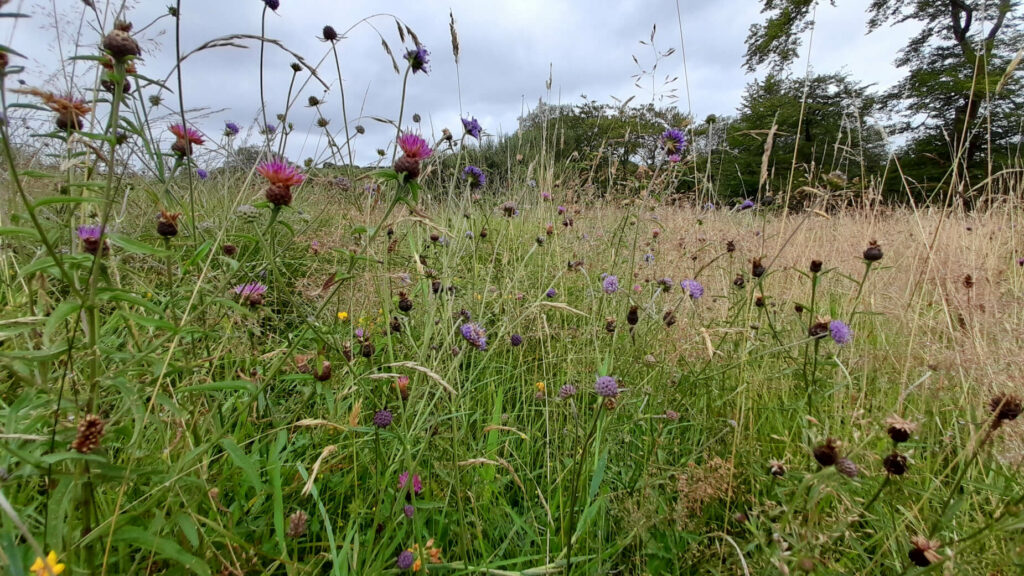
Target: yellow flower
[49, 567]
[343, 316]
[540, 387]
[478, 297]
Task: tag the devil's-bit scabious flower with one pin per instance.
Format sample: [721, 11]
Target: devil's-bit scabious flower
[840, 332]
[419, 59]
[414, 149]
[692, 288]
[606, 387]
[251, 293]
[231, 129]
[382, 418]
[610, 284]
[47, 566]
[746, 205]
[673, 141]
[330, 34]
[475, 176]
[281, 176]
[475, 335]
[405, 560]
[515, 340]
[472, 127]
[551, 293]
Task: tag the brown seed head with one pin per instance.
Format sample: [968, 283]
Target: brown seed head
[1004, 408]
[923, 552]
[895, 464]
[90, 431]
[873, 253]
[899, 430]
[828, 453]
[121, 45]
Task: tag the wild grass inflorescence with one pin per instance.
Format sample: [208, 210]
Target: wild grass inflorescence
[444, 379]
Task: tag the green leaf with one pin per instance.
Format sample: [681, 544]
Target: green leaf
[49, 200]
[223, 386]
[35, 174]
[18, 231]
[149, 322]
[136, 247]
[243, 461]
[10, 50]
[63, 311]
[200, 254]
[163, 547]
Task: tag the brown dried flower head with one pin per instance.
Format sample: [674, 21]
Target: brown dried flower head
[899, 430]
[924, 553]
[90, 431]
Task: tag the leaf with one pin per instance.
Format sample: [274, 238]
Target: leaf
[243, 461]
[58, 316]
[19, 231]
[136, 247]
[35, 174]
[223, 386]
[200, 254]
[50, 200]
[165, 548]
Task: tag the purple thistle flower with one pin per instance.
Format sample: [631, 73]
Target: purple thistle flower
[231, 129]
[607, 387]
[359, 332]
[202, 174]
[840, 332]
[476, 177]
[673, 141]
[382, 418]
[561, 209]
[414, 146]
[273, 4]
[403, 479]
[475, 335]
[250, 289]
[546, 196]
[418, 59]
[692, 288]
[472, 127]
[90, 233]
[675, 158]
[1020, 262]
[405, 560]
[567, 391]
[610, 284]
[551, 293]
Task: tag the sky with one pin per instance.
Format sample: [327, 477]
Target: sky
[508, 51]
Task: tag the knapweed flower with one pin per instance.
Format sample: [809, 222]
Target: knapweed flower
[673, 141]
[403, 480]
[202, 174]
[566, 391]
[414, 149]
[281, 176]
[475, 335]
[119, 42]
[70, 110]
[873, 253]
[47, 567]
[692, 288]
[898, 429]
[610, 284]
[419, 59]
[409, 510]
[675, 158]
[405, 560]
[273, 4]
[472, 127]
[551, 293]
[476, 177]
[251, 293]
[545, 196]
[231, 129]
[840, 332]
[382, 418]
[561, 210]
[91, 239]
[510, 209]
[185, 137]
[606, 387]
[923, 553]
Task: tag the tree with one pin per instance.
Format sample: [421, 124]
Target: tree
[954, 65]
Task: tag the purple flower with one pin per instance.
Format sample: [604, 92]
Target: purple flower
[90, 233]
[675, 158]
[414, 146]
[418, 59]
[607, 387]
[472, 127]
[231, 129]
[561, 209]
[551, 293]
[469, 234]
[409, 510]
[672, 415]
[666, 283]
[405, 560]
[250, 289]
[610, 284]
[649, 258]
[403, 479]
[475, 335]
[476, 177]
[840, 332]
[270, 129]
[203, 175]
[746, 205]
[673, 141]
[382, 418]
[1020, 262]
[516, 340]
[273, 4]
[692, 288]
[709, 207]
[567, 391]
[546, 196]
[359, 333]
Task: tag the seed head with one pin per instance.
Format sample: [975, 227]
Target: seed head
[633, 317]
[756, 268]
[167, 224]
[777, 468]
[609, 324]
[297, 524]
[895, 464]
[846, 467]
[669, 318]
[404, 303]
[899, 430]
[873, 253]
[120, 44]
[815, 266]
[828, 453]
[330, 34]
[325, 372]
[1004, 408]
[90, 431]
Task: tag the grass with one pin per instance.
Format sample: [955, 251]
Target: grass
[155, 419]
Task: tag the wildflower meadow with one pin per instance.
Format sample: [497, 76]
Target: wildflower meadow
[449, 350]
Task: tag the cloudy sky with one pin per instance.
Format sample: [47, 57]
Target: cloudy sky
[508, 50]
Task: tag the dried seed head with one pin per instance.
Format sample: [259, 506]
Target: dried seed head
[815, 266]
[756, 268]
[739, 281]
[923, 552]
[819, 329]
[730, 246]
[609, 324]
[367, 349]
[1004, 408]
[90, 431]
[325, 372]
[895, 464]
[297, 524]
[777, 468]
[899, 430]
[873, 253]
[395, 325]
[827, 454]
[330, 34]
[632, 317]
[404, 303]
[121, 45]
[167, 224]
